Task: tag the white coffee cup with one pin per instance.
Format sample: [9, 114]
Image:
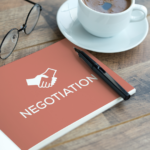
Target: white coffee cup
[106, 24]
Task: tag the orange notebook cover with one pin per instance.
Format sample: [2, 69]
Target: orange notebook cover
[49, 93]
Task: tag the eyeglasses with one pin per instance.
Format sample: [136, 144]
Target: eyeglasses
[11, 38]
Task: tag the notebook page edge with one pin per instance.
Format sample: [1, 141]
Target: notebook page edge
[77, 123]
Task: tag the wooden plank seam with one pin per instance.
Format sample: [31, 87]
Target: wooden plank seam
[110, 127]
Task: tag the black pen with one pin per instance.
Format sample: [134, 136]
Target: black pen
[104, 75]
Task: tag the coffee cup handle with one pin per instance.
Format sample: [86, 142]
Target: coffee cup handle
[141, 8]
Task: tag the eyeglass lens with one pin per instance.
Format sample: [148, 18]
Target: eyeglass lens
[32, 19]
[9, 43]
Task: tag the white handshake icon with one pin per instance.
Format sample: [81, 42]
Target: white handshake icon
[44, 80]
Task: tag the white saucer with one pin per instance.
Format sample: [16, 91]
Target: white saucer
[71, 28]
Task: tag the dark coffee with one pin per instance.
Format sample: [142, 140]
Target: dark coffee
[108, 6]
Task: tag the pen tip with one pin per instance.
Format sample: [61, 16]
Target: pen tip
[76, 49]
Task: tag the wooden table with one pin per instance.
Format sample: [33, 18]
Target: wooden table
[123, 127]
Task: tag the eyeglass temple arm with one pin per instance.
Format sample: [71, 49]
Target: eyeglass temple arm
[30, 2]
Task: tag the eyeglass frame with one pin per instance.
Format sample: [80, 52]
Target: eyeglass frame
[23, 27]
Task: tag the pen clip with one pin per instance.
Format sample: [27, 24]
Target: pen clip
[118, 86]
[104, 75]
[113, 81]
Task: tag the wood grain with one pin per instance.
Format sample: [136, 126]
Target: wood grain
[47, 30]
[7, 4]
[119, 128]
[134, 135]
[42, 33]
[138, 105]
[146, 3]
[125, 59]
[18, 54]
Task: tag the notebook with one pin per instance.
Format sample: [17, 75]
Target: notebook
[49, 93]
